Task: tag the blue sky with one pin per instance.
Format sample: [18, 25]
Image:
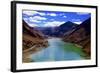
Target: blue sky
[51, 18]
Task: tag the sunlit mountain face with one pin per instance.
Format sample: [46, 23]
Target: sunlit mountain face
[36, 18]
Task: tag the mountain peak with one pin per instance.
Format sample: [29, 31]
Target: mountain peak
[68, 24]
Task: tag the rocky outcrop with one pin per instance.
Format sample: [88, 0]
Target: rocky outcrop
[80, 35]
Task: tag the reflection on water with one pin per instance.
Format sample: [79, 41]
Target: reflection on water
[58, 51]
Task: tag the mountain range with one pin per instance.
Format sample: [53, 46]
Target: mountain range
[57, 31]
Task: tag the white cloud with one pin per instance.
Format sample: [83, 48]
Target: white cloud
[77, 22]
[65, 16]
[32, 25]
[39, 18]
[53, 24]
[30, 13]
[52, 14]
[82, 13]
[36, 19]
[33, 20]
[41, 13]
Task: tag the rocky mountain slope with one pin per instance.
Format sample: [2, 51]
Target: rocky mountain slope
[80, 35]
[32, 37]
[33, 41]
[66, 27]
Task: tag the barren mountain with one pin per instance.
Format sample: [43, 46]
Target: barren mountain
[32, 37]
[80, 35]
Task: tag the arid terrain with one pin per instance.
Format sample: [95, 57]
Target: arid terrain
[33, 40]
[81, 36]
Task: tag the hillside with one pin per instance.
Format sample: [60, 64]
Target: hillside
[33, 40]
[80, 35]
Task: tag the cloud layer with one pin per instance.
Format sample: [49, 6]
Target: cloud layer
[53, 23]
[51, 18]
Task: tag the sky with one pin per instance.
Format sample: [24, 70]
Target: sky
[36, 18]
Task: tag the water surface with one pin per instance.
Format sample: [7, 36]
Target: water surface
[58, 50]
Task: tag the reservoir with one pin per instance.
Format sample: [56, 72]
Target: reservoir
[58, 50]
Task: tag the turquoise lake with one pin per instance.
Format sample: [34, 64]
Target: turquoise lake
[58, 50]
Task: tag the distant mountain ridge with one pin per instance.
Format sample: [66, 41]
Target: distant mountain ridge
[57, 31]
[66, 27]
